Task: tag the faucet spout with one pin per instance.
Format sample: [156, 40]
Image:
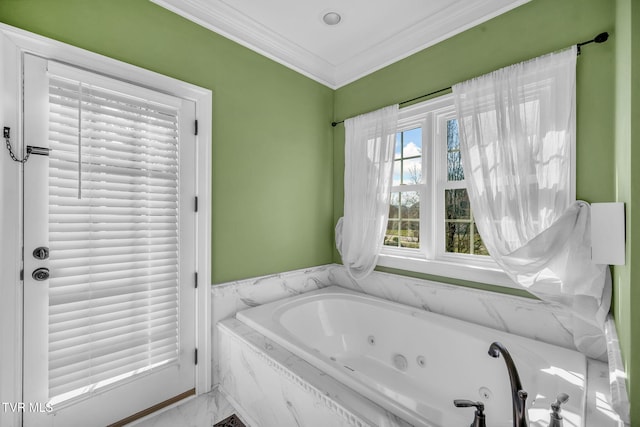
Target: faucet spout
[518, 395]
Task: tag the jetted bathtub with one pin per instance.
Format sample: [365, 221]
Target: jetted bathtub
[414, 363]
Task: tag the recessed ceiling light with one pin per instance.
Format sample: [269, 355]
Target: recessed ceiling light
[331, 18]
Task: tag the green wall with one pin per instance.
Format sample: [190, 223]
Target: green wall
[627, 153]
[272, 153]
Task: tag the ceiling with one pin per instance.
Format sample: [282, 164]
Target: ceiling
[370, 35]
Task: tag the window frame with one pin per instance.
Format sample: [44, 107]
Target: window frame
[432, 116]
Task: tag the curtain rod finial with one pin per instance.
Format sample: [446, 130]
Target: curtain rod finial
[602, 37]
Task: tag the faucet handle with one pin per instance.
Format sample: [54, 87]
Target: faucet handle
[462, 403]
[560, 399]
[556, 418]
[479, 418]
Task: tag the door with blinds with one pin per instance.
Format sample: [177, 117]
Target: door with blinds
[109, 247]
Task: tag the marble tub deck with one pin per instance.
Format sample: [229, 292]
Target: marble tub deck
[272, 387]
[269, 386]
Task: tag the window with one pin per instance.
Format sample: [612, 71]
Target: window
[460, 233]
[403, 229]
[114, 219]
[112, 200]
[431, 228]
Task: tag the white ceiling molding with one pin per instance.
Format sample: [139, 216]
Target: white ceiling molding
[337, 56]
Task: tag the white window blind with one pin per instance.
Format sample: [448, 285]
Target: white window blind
[113, 230]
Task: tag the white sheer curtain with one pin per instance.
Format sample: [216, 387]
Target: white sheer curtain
[369, 148]
[517, 132]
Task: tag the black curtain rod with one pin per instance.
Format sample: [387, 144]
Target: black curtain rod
[600, 38]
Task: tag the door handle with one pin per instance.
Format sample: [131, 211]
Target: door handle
[40, 274]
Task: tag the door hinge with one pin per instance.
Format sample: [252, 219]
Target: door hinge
[195, 275]
[196, 356]
[195, 130]
[22, 275]
[195, 205]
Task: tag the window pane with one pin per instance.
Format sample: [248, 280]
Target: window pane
[410, 234]
[129, 194]
[454, 161]
[412, 142]
[457, 237]
[407, 168]
[398, 151]
[478, 244]
[456, 203]
[397, 173]
[391, 237]
[394, 203]
[461, 234]
[412, 171]
[403, 228]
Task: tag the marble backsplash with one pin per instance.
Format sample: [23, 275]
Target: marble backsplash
[527, 317]
[229, 298]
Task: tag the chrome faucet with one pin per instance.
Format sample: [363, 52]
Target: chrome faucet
[518, 395]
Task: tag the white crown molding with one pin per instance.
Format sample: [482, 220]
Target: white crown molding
[230, 23]
[245, 31]
[438, 27]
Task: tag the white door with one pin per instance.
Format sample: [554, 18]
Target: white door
[109, 247]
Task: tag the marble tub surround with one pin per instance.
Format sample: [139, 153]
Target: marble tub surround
[600, 408]
[229, 298]
[527, 317]
[271, 387]
[530, 318]
[616, 372]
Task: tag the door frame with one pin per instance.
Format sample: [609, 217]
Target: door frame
[14, 43]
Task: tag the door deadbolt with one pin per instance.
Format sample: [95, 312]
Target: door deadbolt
[41, 252]
[40, 274]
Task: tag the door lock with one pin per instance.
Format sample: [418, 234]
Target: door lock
[40, 274]
[41, 252]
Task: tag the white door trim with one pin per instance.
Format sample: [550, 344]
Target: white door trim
[13, 44]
